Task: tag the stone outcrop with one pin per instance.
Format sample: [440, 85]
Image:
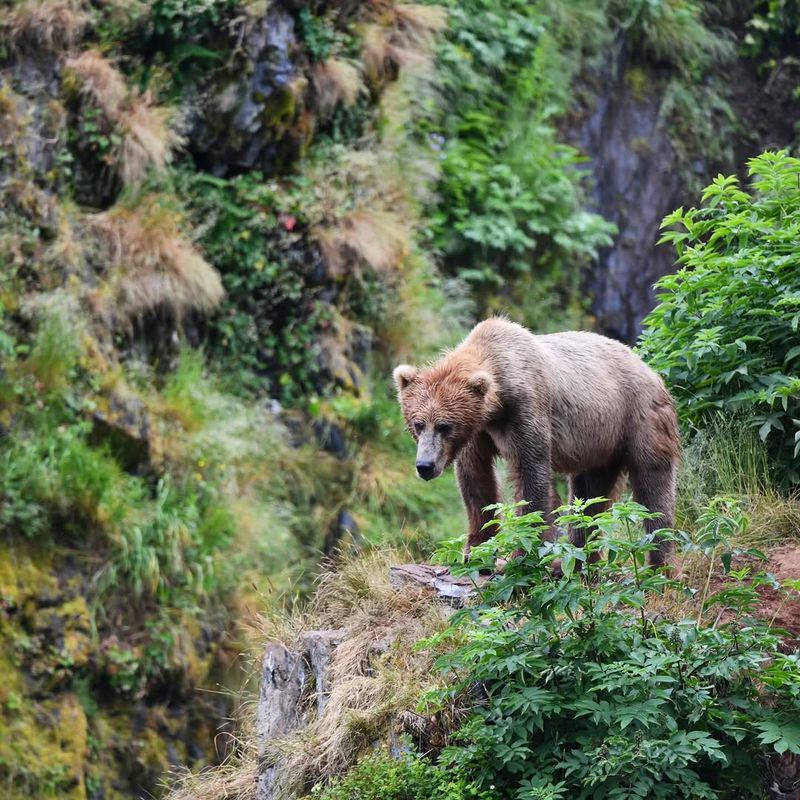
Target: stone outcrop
[253, 117]
[294, 685]
[448, 588]
[296, 681]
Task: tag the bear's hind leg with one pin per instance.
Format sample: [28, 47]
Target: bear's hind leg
[603, 482]
[654, 487]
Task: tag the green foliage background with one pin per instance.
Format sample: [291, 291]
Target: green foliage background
[725, 332]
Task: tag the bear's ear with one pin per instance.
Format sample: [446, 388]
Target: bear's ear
[404, 376]
[480, 383]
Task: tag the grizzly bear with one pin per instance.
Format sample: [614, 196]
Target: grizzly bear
[575, 403]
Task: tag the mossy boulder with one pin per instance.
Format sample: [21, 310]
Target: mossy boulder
[60, 640]
[252, 117]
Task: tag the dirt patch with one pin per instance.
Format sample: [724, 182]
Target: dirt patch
[784, 563]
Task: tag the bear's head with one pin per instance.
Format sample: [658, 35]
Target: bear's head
[444, 407]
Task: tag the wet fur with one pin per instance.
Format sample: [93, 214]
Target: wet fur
[575, 403]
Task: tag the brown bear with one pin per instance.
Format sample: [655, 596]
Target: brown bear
[575, 403]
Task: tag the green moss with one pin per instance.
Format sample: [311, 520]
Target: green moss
[62, 639]
[190, 663]
[638, 82]
[131, 747]
[280, 109]
[106, 734]
[25, 573]
[13, 685]
[150, 753]
[641, 144]
[9, 122]
[43, 749]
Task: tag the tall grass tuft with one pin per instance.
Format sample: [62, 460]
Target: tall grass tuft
[149, 263]
[728, 459]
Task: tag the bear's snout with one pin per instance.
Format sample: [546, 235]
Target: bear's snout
[426, 470]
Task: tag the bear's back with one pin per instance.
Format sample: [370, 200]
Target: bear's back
[592, 388]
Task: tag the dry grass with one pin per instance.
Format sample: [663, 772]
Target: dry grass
[233, 780]
[10, 124]
[406, 43]
[101, 83]
[47, 24]
[148, 262]
[375, 55]
[418, 24]
[67, 252]
[729, 460]
[147, 139]
[377, 239]
[774, 519]
[382, 189]
[375, 675]
[336, 81]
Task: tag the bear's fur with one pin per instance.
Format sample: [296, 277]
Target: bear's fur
[575, 403]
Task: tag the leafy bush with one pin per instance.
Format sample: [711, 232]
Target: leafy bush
[320, 36]
[270, 321]
[510, 198]
[587, 693]
[182, 19]
[410, 777]
[724, 334]
[671, 31]
[773, 27]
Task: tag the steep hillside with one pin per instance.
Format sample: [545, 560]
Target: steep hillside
[152, 204]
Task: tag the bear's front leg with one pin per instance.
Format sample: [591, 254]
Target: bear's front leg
[533, 481]
[477, 480]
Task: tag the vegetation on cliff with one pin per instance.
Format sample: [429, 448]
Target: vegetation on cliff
[725, 330]
[149, 491]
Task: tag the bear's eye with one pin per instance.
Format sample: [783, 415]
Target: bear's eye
[418, 426]
[443, 428]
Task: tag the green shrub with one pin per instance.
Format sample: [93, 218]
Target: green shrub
[587, 693]
[320, 37]
[671, 31]
[181, 19]
[510, 207]
[724, 334]
[49, 473]
[269, 324]
[409, 777]
[510, 199]
[773, 28]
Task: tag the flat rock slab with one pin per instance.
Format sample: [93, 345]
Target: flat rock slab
[449, 588]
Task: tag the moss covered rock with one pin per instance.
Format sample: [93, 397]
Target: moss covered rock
[248, 118]
[43, 749]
